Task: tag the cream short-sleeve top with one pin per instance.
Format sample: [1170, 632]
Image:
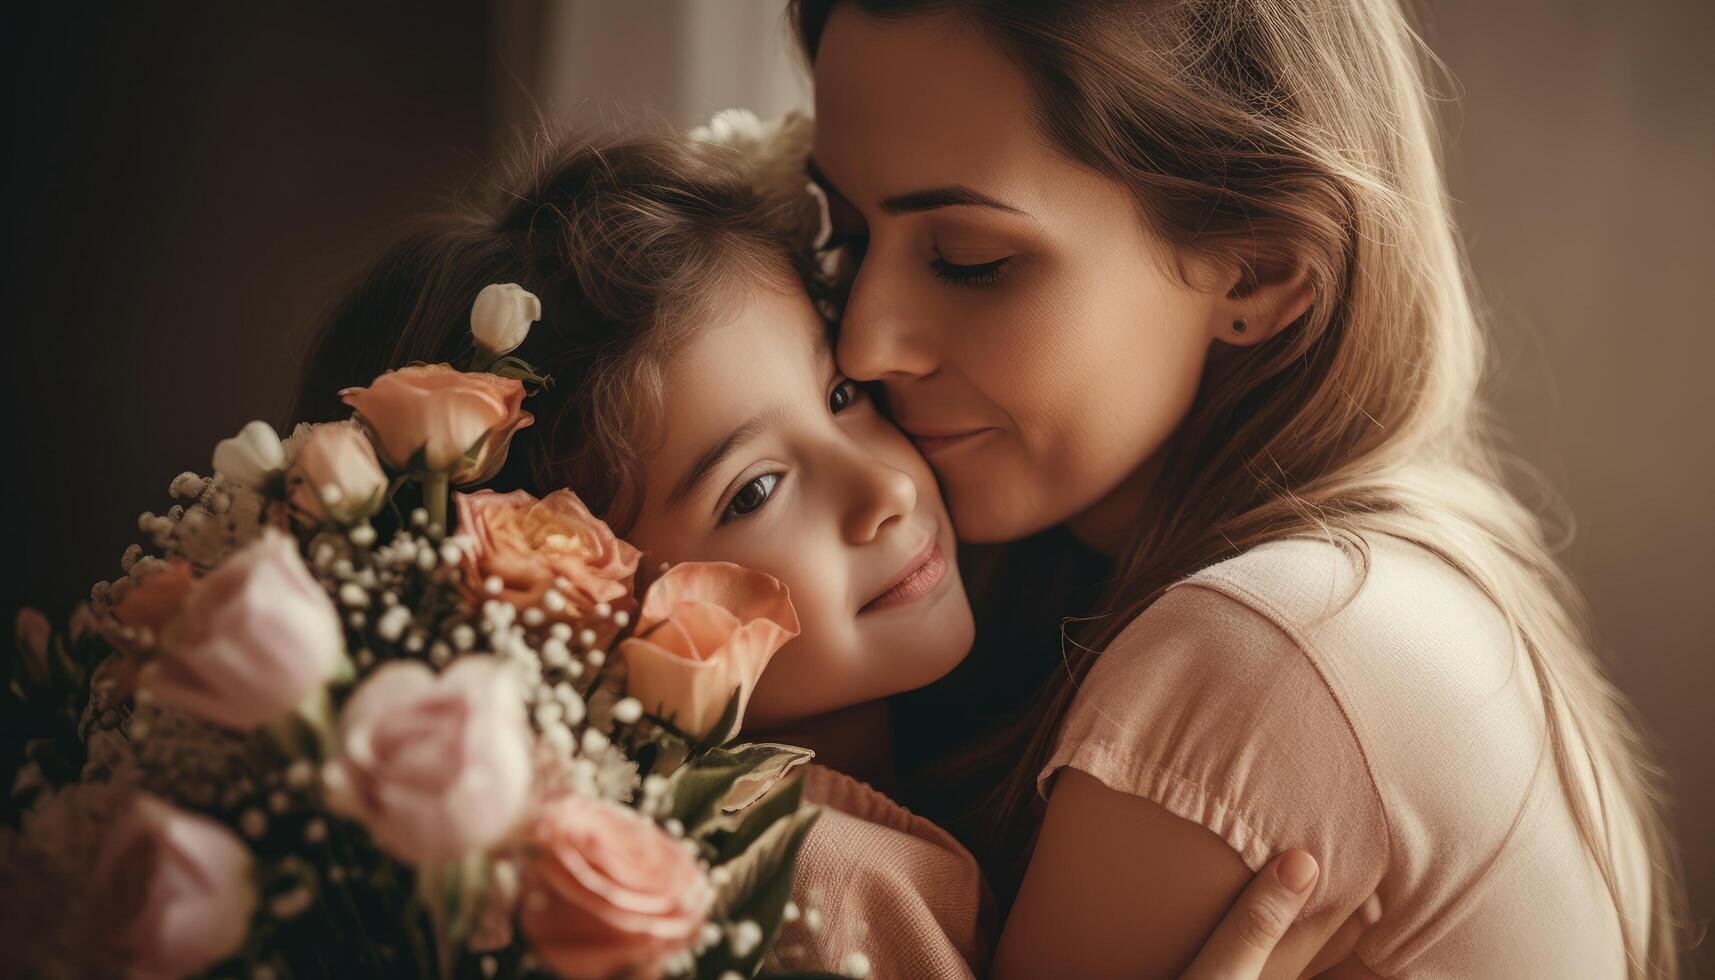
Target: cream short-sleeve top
[1387, 723]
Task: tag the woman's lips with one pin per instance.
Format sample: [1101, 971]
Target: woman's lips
[930, 441]
[917, 580]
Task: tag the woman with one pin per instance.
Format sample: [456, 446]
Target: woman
[1177, 284]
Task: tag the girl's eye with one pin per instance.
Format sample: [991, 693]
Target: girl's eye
[844, 395]
[981, 274]
[751, 497]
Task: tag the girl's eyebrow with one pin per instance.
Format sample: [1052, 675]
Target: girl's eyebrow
[711, 458]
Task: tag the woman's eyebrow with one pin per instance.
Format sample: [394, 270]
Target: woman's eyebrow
[950, 196]
[712, 457]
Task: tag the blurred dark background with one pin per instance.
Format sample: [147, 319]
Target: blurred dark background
[190, 184]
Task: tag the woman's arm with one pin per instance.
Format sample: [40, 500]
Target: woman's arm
[1119, 887]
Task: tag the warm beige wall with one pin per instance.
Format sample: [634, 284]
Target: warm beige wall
[1584, 167]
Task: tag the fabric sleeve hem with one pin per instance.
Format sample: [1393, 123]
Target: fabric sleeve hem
[1174, 793]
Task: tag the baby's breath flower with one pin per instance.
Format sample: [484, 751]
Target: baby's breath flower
[746, 935]
[628, 711]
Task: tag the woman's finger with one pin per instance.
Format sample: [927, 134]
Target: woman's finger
[1240, 946]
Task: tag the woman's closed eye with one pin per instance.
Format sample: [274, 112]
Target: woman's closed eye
[976, 274]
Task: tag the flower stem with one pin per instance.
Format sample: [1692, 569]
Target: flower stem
[435, 499]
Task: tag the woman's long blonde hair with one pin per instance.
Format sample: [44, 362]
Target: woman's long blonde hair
[1287, 136]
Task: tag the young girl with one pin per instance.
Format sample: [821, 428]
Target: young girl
[696, 407]
[1178, 282]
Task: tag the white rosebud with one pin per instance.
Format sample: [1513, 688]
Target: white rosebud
[251, 457]
[500, 318]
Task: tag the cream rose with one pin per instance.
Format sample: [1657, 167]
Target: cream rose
[173, 891]
[500, 318]
[533, 546]
[334, 475]
[252, 457]
[607, 892]
[706, 629]
[434, 766]
[253, 639]
[446, 421]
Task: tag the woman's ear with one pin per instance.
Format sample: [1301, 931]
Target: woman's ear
[1253, 311]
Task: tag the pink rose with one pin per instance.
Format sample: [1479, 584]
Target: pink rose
[334, 475]
[435, 767]
[533, 545]
[254, 639]
[606, 891]
[174, 891]
[461, 422]
[706, 630]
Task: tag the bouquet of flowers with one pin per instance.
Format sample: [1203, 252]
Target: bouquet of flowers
[489, 745]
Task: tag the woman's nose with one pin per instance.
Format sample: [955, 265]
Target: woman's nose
[877, 494]
[879, 336]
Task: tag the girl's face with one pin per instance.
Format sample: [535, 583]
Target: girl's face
[1027, 330]
[774, 460]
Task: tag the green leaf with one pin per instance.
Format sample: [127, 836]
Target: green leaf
[697, 792]
[520, 369]
[767, 763]
[757, 819]
[757, 888]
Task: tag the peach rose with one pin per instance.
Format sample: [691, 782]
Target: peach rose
[254, 639]
[435, 767]
[533, 546]
[607, 892]
[149, 605]
[460, 423]
[174, 891]
[706, 630]
[334, 475]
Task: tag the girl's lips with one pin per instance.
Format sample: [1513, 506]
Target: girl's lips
[918, 579]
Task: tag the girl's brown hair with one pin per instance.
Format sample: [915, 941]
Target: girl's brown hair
[629, 243]
[1279, 136]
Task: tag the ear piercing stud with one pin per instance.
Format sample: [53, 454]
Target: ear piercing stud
[1238, 326]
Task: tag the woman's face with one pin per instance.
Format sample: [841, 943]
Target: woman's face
[774, 460]
[1027, 330]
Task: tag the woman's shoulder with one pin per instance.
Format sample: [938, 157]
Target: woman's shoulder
[1328, 659]
[1402, 638]
[1327, 591]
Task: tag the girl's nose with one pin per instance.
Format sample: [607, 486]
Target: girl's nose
[876, 495]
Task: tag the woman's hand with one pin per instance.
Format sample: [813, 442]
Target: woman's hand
[1258, 940]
